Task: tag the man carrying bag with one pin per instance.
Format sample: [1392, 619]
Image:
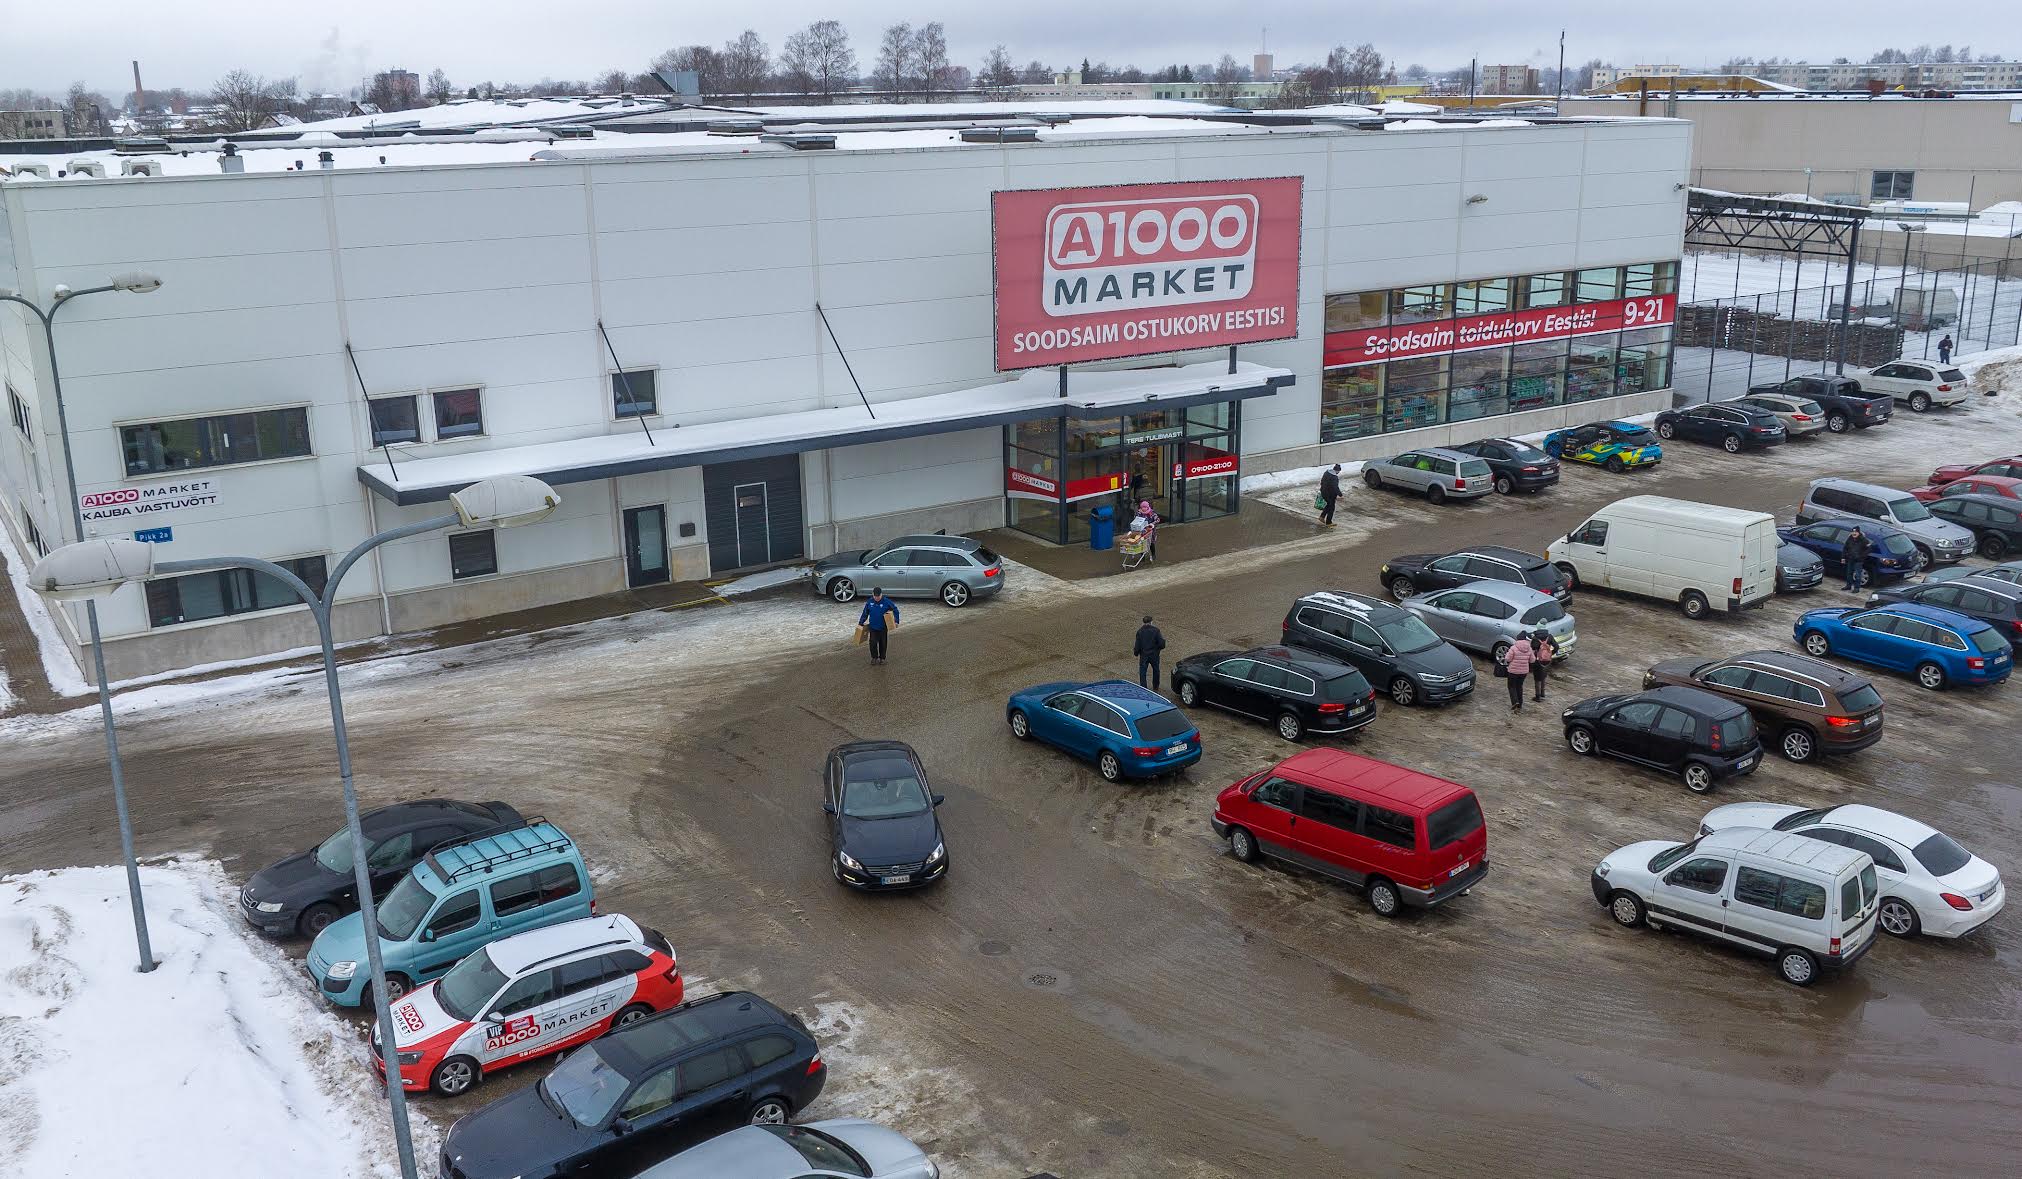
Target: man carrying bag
[879, 614]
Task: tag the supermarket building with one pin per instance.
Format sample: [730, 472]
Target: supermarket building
[750, 345]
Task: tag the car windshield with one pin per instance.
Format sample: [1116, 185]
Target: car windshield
[820, 1151]
[1664, 859]
[1544, 612]
[1909, 509]
[1805, 818]
[584, 1086]
[883, 789]
[1157, 726]
[1940, 856]
[1453, 822]
[468, 986]
[1406, 633]
[1989, 641]
[1860, 699]
[403, 909]
[1897, 545]
[334, 853]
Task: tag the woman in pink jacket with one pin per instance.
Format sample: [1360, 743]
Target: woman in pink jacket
[1516, 665]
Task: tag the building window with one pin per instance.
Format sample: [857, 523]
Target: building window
[1543, 290]
[1650, 278]
[1599, 285]
[458, 414]
[473, 554]
[1366, 309]
[18, 410]
[219, 441]
[635, 392]
[394, 420]
[1644, 362]
[1537, 375]
[1417, 304]
[1893, 186]
[1590, 375]
[1485, 297]
[34, 536]
[219, 593]
[1414, 393]
[1479, 385]
[1351, 402]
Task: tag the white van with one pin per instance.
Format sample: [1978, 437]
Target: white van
[1701, 556]
[1807, 904]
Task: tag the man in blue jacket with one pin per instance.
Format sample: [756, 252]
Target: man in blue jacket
[877, 610]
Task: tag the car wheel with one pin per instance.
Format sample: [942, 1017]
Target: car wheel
[1731, 444]
[1920, 401]
[1993, 545]
[1188, 694]
[1572, 576]
[397, 987]
[1372, 478]
[1930, 675]
[842, 589]
[1798, 744]
[1693, 603]
[1435, 494]
[1021, 726]
[1798, 968]
[1580, 739]
[1289, 727]
[1242, 845]
[1498, 651]
[454, 1076]
[1898, 919]
[1614, 464]
[1816, 644]
[1403, 691]
[1665, 430]
[1383, 897]
[1626, 909]
[1924, 559]
[1698, 778]
[773, 1111]
[1504, 485]
[317, 918]
[631, 1015]
[1836, 422]
[1555, 449]
[1108, 765]
[954, 594]
[1402, 587]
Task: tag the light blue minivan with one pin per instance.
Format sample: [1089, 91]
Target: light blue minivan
[461, 896]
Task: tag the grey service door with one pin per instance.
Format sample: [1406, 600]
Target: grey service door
[753, 509]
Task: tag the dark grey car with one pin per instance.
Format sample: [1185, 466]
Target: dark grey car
[954, 569]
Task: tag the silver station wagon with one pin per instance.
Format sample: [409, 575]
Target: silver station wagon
[1487, 616]
[954, 569]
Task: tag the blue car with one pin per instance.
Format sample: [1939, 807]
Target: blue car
[1125, 730]
[1938, 646]
[1891, 552]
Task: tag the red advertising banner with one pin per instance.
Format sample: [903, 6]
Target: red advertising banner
[1088, 274]
[1025, 485]
[1205, 468]
[1432, 337]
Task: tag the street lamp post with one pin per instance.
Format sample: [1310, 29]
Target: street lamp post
[90, 569]
[138, 283]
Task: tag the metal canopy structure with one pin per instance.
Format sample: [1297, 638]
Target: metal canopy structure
[1801, 227]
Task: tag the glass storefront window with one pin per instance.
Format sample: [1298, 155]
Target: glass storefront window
[1041, 436]
[1600, 285]
[1351, 402]
[1094, 434]
[1537, 374]
[1212, 416]
[1418, 304]
[1544, 290]
[1484, 297]
[1644, 361]
[1414, 393]
[1590, 372]
[1479, 385]
[1364, 309]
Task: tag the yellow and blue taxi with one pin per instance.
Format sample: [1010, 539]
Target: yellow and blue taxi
[1618, 446]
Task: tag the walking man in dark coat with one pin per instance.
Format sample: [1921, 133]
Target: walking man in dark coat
[1945, 350]
[879, 613]
[1330, 490]
[1149, 643]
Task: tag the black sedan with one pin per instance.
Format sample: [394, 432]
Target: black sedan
[1733, 428]
[643, 1092]
[1701, 737]
[305, 892]
[1419, 573]
[883, 832]
[1995, 521]
[1296, 691]
[1797, 568]
[1518, 466]
[1996, 602]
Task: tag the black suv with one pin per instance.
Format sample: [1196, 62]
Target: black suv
[305, 892]
[643, 1092]
[1518, 466]
[1388, 644]
[1698, 736]
[1985, 598]
[1844, 402]
[1295, 690]
[1733, 428]
[1418, 573]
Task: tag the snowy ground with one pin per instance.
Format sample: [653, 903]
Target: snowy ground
[219, 1063]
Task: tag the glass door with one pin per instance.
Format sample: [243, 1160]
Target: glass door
[646, 546]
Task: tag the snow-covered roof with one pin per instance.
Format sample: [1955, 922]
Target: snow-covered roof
[462, 114]
[1027, 397]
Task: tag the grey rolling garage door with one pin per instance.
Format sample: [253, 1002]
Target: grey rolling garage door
[753, 512]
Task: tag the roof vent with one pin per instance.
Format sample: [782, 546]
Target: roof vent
[230, 160]
[736, 126]
[85, 168]
[1050, 118]
[801, 141]
[571, 131]
[41, 170]
[1000, 135]
[139, 168]
[140, 145]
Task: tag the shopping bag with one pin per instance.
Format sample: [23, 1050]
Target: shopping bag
[862, 636]
[1319, 503]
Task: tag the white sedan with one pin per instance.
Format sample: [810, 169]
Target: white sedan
[842, 1148]
[1929, 883]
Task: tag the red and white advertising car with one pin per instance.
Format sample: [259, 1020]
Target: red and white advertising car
[531, 995]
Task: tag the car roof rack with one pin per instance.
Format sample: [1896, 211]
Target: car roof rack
[512, 842]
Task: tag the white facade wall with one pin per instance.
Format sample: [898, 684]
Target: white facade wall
[706, 268]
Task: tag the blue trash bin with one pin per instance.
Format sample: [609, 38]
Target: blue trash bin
[1102, 527]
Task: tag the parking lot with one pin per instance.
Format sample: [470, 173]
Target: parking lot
[1099, 988]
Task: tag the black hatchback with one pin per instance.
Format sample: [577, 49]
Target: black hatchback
[305, 892]
[1994, 520]
[644, 1092]
[1988, 599]
[1418, 573]
[1385, 642]
[1517, 466]
[1296, 691]
[1701, 737]
[883, 832]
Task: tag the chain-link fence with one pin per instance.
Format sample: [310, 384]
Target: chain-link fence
[1724, 345]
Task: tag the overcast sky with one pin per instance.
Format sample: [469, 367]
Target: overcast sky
[191, 42]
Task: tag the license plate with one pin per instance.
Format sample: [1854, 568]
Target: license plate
[1989, 894]
[1180, 748]
[1459, 870]
[898, 880]
[1871, 722]
[1745, 763]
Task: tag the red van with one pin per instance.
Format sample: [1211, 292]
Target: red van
[1404, 837]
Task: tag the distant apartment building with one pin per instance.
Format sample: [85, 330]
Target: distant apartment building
[1509, 79]
[1605, 76]
[401, 87]
[1846, 75]
[32, 125]
[1069, 86]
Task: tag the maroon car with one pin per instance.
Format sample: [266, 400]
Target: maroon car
[2007, 466]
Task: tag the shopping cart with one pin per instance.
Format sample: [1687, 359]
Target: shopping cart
[1135, 547]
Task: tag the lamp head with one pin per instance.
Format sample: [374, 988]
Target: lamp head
[505, 501]
[140, 282]
[91, 568]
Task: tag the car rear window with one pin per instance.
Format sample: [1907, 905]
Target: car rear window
[1453, 822]
[1989, 641]
[1940, 856]
[1951, 374]
[1350, 686]
[1474, 468]
[986, 556]
[1736, 732]
[1528, 454]
[1896, 544]
[1860, 699]
[1157, 726]
[1810, 407]
[1544, 612]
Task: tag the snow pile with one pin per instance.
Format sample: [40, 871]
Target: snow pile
[65, 678]
[220, 1062]
[764, 579]
[1996, 372]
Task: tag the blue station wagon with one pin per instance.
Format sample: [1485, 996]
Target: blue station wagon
[462, 895]
[1126, 731]
[1937, 646]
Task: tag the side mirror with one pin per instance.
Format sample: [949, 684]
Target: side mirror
[621, 1127]
[828, 808]
[494, 1017]
[939, 799]
[428, 935]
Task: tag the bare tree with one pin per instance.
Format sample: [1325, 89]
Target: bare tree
[249, 100]
[747, 63]
[706, 62]
[438, 89]
[1363, 71]
[1224, 80]
[895, 57]
[997, 73]
[24, 99]
[1035, 73]
[818, 58]
[930, 58]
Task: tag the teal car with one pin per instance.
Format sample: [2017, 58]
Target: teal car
[1618, 446]
[463, 895]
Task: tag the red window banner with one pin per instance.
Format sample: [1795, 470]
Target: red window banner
[1025, 485]
[1495, 330]
[1087, 274]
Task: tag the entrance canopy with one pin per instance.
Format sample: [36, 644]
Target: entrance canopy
[1033, 395]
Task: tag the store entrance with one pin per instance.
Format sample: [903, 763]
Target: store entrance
[1183, 461]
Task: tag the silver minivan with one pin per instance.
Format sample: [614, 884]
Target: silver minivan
[1487, 616]
[1936, 540]
[1434, 472]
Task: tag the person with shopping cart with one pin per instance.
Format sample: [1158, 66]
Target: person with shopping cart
[1149, 518]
